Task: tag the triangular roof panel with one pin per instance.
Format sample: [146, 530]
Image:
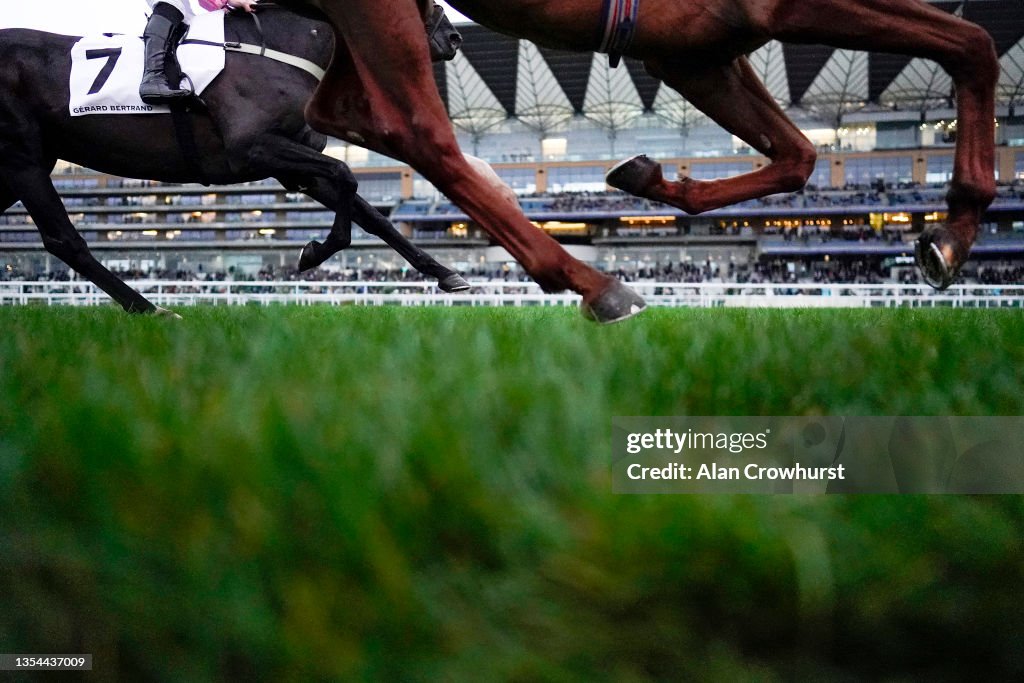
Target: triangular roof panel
[495, 57]
[769, 64]
[540, 101]
[1011, 77]
[646, 84]
[471, 104]
[572, 71]
[612, 99]
[803, 64]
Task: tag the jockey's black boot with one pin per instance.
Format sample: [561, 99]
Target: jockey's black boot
[160, 38]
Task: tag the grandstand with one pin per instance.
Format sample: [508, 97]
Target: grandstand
[552, 123]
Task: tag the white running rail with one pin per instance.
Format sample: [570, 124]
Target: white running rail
[500, 293]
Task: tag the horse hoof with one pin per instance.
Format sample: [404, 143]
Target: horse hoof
[453, 283]
[937, 257]
[616, 303]
[162, 312]
[635, 175]
[308, 258]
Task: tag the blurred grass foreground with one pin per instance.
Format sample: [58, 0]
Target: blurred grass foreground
[418, 495]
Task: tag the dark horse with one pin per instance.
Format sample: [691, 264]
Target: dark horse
[380, 90]
[252, 128]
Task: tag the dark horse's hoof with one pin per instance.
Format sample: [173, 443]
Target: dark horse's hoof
[939, 255]
[453, 283]
[616, 303]
[310, 257]
[635, 175]
[162, 312]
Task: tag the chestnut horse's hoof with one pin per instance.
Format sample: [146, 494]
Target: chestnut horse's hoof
[616, 303]
[939, 256]
[453, 283]
[309, 257]
[635, 175]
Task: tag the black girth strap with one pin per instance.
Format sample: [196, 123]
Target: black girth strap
[183, 115]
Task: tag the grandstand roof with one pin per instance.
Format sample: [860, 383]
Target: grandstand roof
[495, 77]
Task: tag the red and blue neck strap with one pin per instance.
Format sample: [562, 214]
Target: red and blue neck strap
[618, 26]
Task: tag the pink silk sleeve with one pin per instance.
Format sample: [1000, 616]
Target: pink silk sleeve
[212, 5]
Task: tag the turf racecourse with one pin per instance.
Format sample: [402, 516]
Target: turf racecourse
[423, 494]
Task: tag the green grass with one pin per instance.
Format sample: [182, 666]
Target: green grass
[414, 494]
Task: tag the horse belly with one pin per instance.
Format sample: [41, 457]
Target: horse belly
[665, 27]
[675, 28]
[138, 147]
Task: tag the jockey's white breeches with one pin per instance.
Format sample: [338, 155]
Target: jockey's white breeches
[183, 6]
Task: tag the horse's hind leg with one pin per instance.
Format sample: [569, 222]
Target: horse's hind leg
[332, 184]
[375, 223]
[734, 97]
[33, 186]
[965, 51]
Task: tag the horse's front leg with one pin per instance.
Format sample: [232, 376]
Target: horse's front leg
[375, 223]
[380, 85]
[733, 96]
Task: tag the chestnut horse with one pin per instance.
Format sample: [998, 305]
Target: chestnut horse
[380, 93]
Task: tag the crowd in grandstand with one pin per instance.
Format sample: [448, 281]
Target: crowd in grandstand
[1007, 275]
[766, 271]
[811, 197]
[582, 202]
[777, 271]
[773, 271]
[874, 196]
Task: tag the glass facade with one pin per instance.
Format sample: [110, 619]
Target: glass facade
[821, 177]
[521, 180]
[380, 187]
[862, 171]
[576, 179]
[940, 168]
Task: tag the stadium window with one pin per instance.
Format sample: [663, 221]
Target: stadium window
[866, 170]
[554, 149]
[940, 168]
[821, 177]
[423, 188]
[1018, 171]
[521, 180]
[380, 187]
[576, 179]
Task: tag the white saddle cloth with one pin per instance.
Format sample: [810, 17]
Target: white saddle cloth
[106, 69]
